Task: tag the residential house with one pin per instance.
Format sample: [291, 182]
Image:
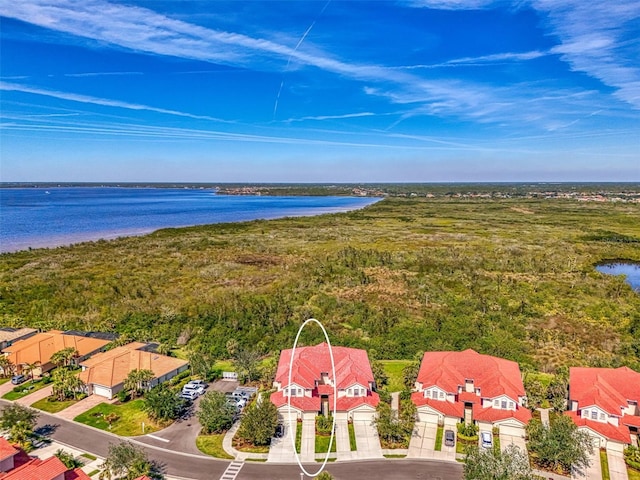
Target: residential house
[10, 335]
[15, 464]
[469, 387]
[39, 348]
[105, 373]
[604, 402]
[312, 383]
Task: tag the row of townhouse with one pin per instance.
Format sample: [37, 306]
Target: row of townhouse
[103, 370]
[454, 387]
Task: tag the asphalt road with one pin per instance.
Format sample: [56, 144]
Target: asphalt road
[198, 467]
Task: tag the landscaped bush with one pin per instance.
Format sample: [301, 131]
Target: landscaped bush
[632, 457]
[323, 425]
[467, 431]
[123, 396]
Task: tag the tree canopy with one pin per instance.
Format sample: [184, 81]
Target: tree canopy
[560, 447]
[259, 422]
[127, 461]
[493, 464]
[215, 413]
[162, 403]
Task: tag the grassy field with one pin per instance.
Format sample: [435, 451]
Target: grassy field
[130, 418]
[51, 405]
[393, 369]
[4, 380]
[212, 445]
[32, 387]
[508, 277]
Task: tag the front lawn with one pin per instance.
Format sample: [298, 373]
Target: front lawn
[212, 445]
[322, 443]
[129, 422]
[243, 446]
[25, 389]
[51, 405]
[393, 369]
[4, 380]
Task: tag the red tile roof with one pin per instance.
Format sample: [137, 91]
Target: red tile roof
[494, 376]
[37, 469]
[352, 366]
[450, 409]
[76, 474]
[313, 403]
[607, 388]
[619, 434]
[6, 449]
[632, 420]
[469, 397]
[493, 415]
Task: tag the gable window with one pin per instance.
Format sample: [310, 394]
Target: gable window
[349, 391]
[511, 405]
[496, 403]
[594, 415]
[602, 416]
[441, 394]
[427, 394]
[504, 405]
[585, 413]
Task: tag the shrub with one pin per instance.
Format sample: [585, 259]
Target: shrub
[123, 396]
[467, 430]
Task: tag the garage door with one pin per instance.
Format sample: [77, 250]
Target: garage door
[102, 391]
[510, 430]
[428, 417]
[366, 416]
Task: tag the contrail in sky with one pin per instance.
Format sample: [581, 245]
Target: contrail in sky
[304, 35]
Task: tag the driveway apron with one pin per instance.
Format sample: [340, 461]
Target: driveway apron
[308, 444]
[423, 440]
[281, 449]
[617, 467]
[367, 440]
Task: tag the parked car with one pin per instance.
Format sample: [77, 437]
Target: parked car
[241, 403]
[198, 383]
[486, 440]
[279, 431]
[449, 438]
[18, 379]
[240, 394]
[199, 390]
[189, 395]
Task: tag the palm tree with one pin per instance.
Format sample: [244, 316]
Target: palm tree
[28, 368]
[64, 356]
[138, 380]
[7, 366]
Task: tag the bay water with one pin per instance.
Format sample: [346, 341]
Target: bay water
[50, 217]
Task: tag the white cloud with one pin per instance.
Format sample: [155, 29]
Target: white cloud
[74, 97]
[599, 39]
[453, 4]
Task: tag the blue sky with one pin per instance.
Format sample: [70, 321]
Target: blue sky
[326, 91]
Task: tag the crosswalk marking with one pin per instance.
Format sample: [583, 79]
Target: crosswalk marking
[232, 470]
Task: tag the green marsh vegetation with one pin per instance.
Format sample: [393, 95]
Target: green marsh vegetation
[507, 277]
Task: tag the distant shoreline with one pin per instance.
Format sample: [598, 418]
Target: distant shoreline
[63, 216]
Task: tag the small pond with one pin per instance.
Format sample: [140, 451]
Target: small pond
[630, 270]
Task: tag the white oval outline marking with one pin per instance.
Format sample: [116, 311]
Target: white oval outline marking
[335, 398]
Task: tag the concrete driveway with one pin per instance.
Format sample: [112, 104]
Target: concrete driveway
[367, 440]
[343, 447]
[6, 388]
[423, 440]
[518, 441]
[35, 396]
[617, 467]
[594, 471]
[83, 405]
[281, 449]
[308, 443]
